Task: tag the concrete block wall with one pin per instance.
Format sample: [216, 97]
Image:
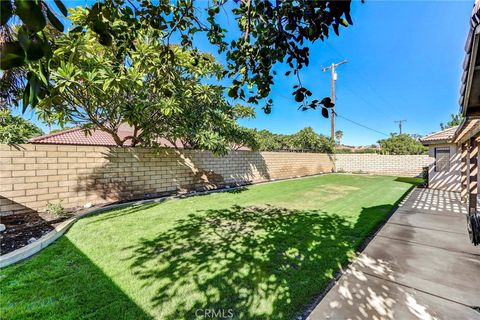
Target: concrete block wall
[395, 165]
[33, 175]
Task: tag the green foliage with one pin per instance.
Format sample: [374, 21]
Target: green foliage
[308, 140]
[402, 144]
[34, 16]
[30, 43]
[268, 34]
[305, 140]
[269, 141]
[56, 209]
[159, 91]
[15, 129]
[456, 120]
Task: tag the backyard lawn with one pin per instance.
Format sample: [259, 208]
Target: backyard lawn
[262, 252]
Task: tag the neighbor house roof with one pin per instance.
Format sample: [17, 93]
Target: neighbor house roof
[443, 136]
[77, 136]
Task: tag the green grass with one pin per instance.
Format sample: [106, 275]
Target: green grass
[265, 252]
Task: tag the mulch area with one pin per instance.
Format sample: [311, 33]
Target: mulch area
[22, 227]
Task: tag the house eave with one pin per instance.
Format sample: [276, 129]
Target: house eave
[470, 127]
[436, 142]
[470, 88]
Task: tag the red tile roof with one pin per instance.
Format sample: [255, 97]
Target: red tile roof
[440, 136]
[77, 136]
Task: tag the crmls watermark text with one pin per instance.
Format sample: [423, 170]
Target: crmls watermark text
[214, 313]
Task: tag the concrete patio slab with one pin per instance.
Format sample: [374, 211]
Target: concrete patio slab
[358, 296]
[438, 212]
[444, 273]
[434, 200]
[431, 221]
[420, 265]
[441, 239]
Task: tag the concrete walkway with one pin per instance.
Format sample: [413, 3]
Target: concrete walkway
[420, 265]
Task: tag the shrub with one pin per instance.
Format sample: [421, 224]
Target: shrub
[56, 209]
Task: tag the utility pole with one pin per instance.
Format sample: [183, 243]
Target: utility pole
[334, 78]
[400, 122]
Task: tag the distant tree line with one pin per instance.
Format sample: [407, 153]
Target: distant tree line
[402, 144]
[373, 149]
[305, 140]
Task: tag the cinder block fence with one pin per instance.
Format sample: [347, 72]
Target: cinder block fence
[394, 165]
[33, 175]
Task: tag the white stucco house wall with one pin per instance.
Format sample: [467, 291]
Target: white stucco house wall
[444, 172]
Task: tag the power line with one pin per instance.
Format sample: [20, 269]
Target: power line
[345, 118]
[366, 82]
[361, 125]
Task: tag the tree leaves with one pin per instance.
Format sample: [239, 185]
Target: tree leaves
[31, 14]
[34, 47]
[15, 129]
[61, 7]
[159, 92]
[54, 20]
[11, 55]
[299, 96]
[6, 10]
[232, 92]
[33, 91]
[327, 102]
[32, 44]
[325, 112]
[269, 34]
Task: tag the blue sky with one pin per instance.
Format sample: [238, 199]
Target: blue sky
[404, 62]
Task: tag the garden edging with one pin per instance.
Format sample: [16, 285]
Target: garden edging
[34, 247]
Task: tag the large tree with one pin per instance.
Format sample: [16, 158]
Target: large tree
[401, 144]
[15, 129]
[308, 140]
[270, 32]
[269, 141]
[158, 95]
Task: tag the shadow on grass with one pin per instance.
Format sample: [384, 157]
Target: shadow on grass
[63, 283]
[119, 212]
[255, 262]
[236, 190]
[412, 181]
[134, 208]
